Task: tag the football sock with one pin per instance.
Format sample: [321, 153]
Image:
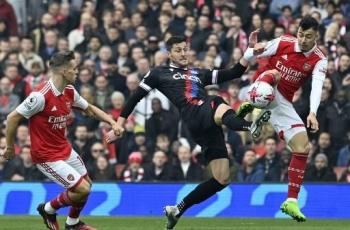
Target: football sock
[296, 172]
[62, 200]
[232, 122]
[75, 210]
[202, 192]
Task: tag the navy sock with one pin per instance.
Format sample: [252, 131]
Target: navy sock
[202, 192]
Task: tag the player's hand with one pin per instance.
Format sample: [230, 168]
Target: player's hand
[312, 123]
[116, 132]
[253, 38]
[8, 153]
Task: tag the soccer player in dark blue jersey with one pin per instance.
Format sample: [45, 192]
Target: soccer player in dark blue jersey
[203, 114]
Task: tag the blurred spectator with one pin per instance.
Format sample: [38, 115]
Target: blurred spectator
[134, 172]
[103, 170]
[4, 164]
[97, 149]
[158, 170]
[320, 171]
[8, 100]
[118, 100]
[82, 143]
[325, 146]
[235, 36]
[126, 144]
[345, 176]
[342, 77]
[344, 153]
[268, 27]
[47, 23]
[285, 159]
[77, 36]
[93, 48]
[36, 75]
[185, 169]
[102, 93]
[49, 46]
[271, 161]
[161, 122]
[7, 13]
[22, 168]
[233, 91]
[22, 138]
[250, 171]
[286, 17]
[27, 55]
[85, 78]
[338, 119]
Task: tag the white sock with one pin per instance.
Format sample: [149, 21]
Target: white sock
[72, 221]
[292, 199]
[49, 209]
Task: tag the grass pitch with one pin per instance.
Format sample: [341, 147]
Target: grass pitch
[139, 223]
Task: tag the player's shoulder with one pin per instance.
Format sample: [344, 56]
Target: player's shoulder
[70, 87]
[319, 53]
[288, 38]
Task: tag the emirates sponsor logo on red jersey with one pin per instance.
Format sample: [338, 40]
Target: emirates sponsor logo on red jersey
[58, 122]
[289, 73]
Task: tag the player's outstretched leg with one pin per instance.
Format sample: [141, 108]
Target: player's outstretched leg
[220, 170]
[256, 127]
[299, 145]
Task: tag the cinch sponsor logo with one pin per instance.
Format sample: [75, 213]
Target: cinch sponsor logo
[179, 76]
[288, 73]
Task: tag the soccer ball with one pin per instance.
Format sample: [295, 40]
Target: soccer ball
[261, 94]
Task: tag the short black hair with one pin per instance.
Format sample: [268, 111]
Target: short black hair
[60, 59]
[309, 22]
[174, 40]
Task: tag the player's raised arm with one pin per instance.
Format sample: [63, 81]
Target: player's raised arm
[318, 76]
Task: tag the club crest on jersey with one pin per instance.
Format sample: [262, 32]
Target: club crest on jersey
[194, 72]
[306, 66]
[70, 177]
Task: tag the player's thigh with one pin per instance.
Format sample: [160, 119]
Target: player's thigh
[299, 143]
[285, 120]
[61, 173]
[77, 163]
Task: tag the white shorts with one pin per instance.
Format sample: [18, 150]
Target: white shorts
[284, 119]
[68, 173]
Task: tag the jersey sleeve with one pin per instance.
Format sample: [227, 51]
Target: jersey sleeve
[318, 76]
[79, 101]
[149, 81]
[32, 105]
[270, 49]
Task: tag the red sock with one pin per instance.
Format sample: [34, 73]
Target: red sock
[296, 172]
[268, 78]
[75, 210]
[62, 200]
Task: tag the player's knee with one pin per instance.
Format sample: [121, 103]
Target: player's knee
[302, 147]
[83, 188]
[223, 179]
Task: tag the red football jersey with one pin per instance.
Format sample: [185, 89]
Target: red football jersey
[294, 65]
[48, 111]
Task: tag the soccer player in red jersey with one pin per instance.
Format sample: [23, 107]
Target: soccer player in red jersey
[48, 110]
[291, 61]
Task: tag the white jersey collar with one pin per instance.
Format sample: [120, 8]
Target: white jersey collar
[298, 50]
[56, 92]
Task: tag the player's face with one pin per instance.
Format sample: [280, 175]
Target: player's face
[307, 39]
[70, 73]
[179, 54]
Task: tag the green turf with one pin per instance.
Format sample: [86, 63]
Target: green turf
[122, 223]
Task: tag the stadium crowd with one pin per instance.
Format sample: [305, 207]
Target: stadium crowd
[116, 43]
